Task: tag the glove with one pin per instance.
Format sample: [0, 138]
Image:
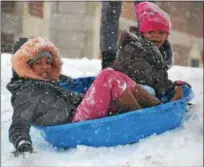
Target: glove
[108, 58]
[23, 146]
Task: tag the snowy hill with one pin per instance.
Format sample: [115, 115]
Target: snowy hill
[182, 146]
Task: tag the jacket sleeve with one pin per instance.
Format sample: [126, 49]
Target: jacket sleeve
[22, 117]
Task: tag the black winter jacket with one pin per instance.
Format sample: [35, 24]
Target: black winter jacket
[141, 60]
[37, 102]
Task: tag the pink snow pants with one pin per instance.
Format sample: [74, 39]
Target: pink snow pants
[107, 87]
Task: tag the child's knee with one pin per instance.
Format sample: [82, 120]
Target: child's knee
[130, 83]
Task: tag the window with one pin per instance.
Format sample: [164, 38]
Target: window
[8, 6]
[36, 8]
[7, 41]
[195, 62]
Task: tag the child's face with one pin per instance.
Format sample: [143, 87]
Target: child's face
[42, 67]
[158, 37]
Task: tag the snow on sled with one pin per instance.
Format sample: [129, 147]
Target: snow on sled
[120, 129]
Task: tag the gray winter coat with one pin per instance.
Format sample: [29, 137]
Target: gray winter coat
[38, 102]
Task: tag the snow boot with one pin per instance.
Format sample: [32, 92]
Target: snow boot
[178, 93]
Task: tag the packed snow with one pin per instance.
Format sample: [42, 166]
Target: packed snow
[182, 146]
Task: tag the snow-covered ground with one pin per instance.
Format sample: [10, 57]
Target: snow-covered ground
[182, 146]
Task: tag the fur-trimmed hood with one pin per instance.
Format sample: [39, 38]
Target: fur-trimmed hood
[31, 49]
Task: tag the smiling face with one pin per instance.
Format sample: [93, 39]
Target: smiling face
[42, 67]
[158, 37]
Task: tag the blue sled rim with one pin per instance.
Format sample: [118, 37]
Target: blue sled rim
[120, 129]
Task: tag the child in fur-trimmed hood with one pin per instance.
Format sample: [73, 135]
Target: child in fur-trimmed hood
[37, 99]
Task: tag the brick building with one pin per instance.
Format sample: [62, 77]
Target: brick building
[74, 26]
[11, 24]
[73, 31]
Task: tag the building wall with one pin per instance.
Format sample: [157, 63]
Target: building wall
[34, 25]
[185, 16]
[128, 10]
[187, 21]
[73, 28]
[11, 24]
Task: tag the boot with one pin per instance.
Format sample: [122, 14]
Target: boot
[178, 93]
[144, 98]
[126, 102]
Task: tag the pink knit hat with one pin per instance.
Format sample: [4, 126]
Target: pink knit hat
[151, 18]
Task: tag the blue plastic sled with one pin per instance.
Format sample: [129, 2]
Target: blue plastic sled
[120, 129]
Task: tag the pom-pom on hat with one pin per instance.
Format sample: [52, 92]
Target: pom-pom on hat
[151, 18]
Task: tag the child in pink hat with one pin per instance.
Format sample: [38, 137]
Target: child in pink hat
[144, 52]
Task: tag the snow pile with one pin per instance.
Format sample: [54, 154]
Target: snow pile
[182, 146]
